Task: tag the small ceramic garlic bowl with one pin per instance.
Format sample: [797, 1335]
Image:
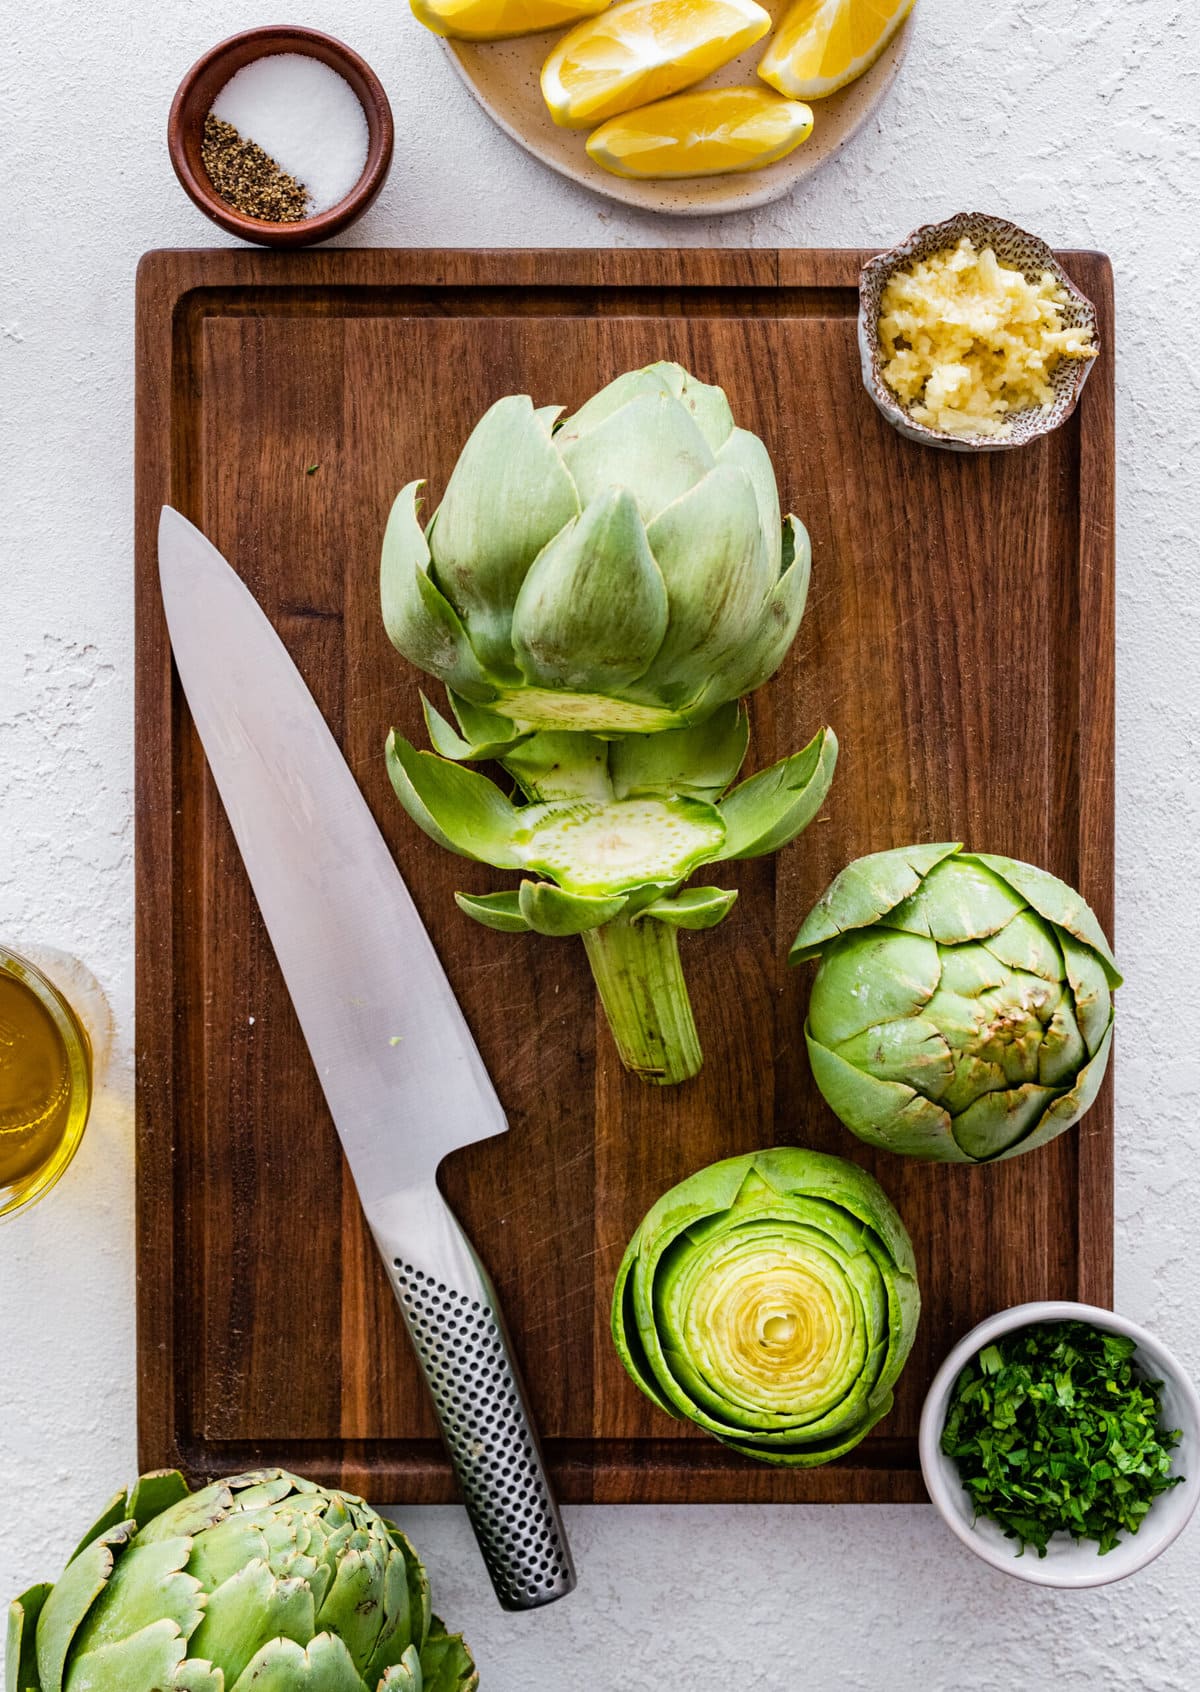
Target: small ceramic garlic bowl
[1013, 247]
[1068, 1562]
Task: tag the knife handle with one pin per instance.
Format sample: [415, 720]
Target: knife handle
[457, 1329]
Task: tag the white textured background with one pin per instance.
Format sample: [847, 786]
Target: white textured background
[1078, 118]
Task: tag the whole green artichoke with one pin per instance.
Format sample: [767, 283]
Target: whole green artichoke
[771, 1299]
[622, 570]
[262, 1583]
[963, 1007]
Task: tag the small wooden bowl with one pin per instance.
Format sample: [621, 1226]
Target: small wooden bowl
[201, 86]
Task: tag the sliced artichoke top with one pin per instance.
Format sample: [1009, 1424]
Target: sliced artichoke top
[772, 1299]
[622, 570]
[963, 1005]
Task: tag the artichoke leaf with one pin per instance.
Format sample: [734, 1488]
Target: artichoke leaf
[868, 979]
[351, 1608]
[910, 1050]
[487, 736]
[283, 1665]
[246, 1612]
[863, 893]
[610, 399]
[1058, 903]
[193, 1513]
[1063, 1052]
[78, 1587]
[395, 1645]
[773, 807]
[625, 1326]
[508, 494]
[553, 911]
[1088, 980]
[706, 405]
[144, 1662]
[419, 1607]
[457, 807]
[651, 446]
[592, 611]
[1027, 943]
[747, 452]
[959, 899]
[697, 762]
[718, 577]
[148, 1583]
[446, 1664]
[996, 1121]
[778, 619]
[501, 911]
[884, 1113]
[20, 1649]
[222, 1550]
[553, 765]
[421, 623]
[694, 908]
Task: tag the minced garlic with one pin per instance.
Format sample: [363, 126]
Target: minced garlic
[968, 340]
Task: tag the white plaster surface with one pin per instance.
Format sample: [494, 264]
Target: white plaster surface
[1077, 118]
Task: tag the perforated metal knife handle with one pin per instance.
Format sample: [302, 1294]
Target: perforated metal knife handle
[457, 1329]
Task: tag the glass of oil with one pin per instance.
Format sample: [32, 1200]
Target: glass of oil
[45, 1082]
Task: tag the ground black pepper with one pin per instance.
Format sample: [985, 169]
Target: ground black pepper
[247, 179]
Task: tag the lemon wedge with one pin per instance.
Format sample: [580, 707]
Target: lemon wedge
[496, 20]
[821, 45]
[701, 134]
[641, 50]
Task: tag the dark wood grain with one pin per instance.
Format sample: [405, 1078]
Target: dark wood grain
[959, 639]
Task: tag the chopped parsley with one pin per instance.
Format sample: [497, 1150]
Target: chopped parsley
[1055, 1429]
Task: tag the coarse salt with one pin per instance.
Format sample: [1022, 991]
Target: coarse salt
[306, 117]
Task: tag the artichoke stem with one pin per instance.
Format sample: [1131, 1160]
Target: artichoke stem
[641, 985]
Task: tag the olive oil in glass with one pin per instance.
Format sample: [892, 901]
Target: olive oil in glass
[45, 1082]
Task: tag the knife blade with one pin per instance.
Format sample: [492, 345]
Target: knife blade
[399, 1068]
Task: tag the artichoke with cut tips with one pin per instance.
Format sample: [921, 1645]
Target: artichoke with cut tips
[771, 1299]
[261, 1583]
[622, 570]
[963, 1007]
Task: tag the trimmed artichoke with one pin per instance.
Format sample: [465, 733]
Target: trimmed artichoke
[611, 832]
[597, 594]
[262, 1583]
[963, 1006]
[620, 571]
[771, 1299]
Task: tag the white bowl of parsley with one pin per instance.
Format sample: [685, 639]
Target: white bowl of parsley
[1061, 1443]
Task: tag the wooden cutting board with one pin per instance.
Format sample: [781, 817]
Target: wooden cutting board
[959, 638]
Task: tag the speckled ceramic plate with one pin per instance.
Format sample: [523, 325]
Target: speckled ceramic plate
[503, 77]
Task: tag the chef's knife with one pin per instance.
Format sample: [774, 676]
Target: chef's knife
[403, 1077]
